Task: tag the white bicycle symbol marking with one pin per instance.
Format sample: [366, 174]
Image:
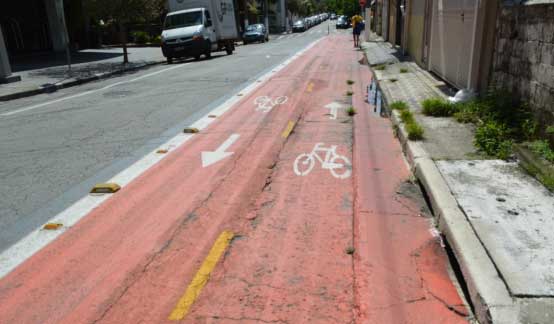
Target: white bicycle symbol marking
[265, 103]
[339, 166]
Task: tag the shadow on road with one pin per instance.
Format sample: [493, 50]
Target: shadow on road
[49, 60]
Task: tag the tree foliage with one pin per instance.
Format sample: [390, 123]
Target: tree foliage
[343, 7]
[309, 7]
[126, 11]
[121, 13]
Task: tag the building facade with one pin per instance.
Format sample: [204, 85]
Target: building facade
[28, 27]
[478, 44]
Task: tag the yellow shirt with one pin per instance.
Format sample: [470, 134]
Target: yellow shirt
[356, 19]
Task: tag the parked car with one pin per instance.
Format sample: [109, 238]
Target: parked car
[343, 23]
[299, 26]
[255, 33]
[333, 16]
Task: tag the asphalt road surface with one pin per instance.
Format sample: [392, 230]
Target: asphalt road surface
[55, 147]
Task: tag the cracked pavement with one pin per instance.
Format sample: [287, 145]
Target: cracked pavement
[327, 226]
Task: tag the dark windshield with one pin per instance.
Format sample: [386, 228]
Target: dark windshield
[183, 20]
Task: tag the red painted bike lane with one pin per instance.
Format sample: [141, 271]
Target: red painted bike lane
[138, 249]
[315, 240]
[327, 246]
[293, 263]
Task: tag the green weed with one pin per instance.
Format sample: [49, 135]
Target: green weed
[398, 105]
[542, 148]
[406, 116]
[493, 138]
[438, 107]
[415, 131]
[351, 111]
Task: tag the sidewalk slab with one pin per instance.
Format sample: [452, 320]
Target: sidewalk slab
[380, 53]
[512, 214]
[43, 74]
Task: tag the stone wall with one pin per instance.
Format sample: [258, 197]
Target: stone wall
[524, 55]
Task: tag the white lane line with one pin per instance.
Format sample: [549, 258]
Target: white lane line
[38, 239]
[278, 38]
[89, 92]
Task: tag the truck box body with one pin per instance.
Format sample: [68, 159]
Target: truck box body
[222, 13]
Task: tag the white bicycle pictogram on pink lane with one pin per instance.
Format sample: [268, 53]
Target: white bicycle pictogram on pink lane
[265, 103]
[339, 166]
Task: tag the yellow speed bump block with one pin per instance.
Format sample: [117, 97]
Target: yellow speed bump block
[162, 151]
[105, 188]
[52, 226]
[190, 130]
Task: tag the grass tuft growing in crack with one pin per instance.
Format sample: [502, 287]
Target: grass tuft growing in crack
[414, 129]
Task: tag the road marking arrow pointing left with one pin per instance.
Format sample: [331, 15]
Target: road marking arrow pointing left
[209, 158]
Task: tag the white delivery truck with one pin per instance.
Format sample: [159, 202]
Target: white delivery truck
[197, 27]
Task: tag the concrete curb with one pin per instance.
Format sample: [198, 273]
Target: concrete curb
[488, 293]
[73, 82]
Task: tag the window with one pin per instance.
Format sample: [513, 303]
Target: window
[183, 20]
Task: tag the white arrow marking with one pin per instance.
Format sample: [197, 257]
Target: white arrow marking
[334, 109]
[209, 158]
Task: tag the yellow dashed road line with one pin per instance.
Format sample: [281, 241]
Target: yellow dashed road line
[288, 129]
[202, 276]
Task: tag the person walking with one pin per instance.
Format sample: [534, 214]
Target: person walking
[357, 23]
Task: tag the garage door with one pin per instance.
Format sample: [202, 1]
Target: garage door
[451, 39]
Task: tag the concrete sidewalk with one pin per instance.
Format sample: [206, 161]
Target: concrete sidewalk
[47, 73]
[496, 218]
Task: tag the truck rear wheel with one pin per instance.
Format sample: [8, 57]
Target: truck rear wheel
[208, 53]
[169, 60]
[229, 48]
